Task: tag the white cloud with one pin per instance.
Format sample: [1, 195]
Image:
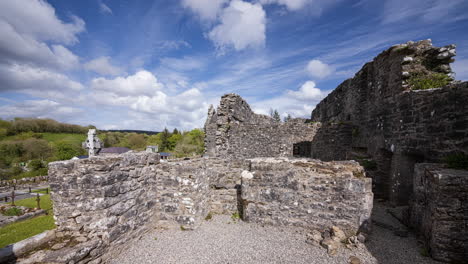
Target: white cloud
[206, 9]
[308, 91]
[103, 66]
[318, 69]
[460, 67]
[26, 26]
[428, 11]
[242, 25]
[146, 101]
[295, 103]
[141, 83]
[182, 64]
[35, 81]
[15, 47]
[104, 8]
[290, 4]
[37, 19]
[39, 109]
[314, 7]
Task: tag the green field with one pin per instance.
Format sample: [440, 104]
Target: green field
[50, 137]
[21, 230]
[67, 137]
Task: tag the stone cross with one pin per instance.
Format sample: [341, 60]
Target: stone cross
[93, 144]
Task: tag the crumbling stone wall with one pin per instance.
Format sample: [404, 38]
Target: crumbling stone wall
[439, 211]
[393, 124]
[235, 131]
[105, 202]
[307, 193]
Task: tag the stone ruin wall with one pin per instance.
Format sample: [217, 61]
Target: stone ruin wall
[307, 193]
[439, 211]
[235, 131]
[105, 202]
[382, 119]
[376, 118]
[392, 124]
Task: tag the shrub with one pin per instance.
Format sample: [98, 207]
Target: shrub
[13, 211]
[457, 161]
[424, 82]
[368, 164]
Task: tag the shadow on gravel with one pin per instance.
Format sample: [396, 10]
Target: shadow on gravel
[390, 242]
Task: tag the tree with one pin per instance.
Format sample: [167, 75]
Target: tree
[136, 141]
[36, 149]
[275, 115]
[66, 151]
[165, 145]
[173, 140]
[175, 131]
[287, 118]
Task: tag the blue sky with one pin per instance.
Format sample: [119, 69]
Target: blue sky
[121, 64]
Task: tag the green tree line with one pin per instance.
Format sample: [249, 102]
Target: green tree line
[28, 145]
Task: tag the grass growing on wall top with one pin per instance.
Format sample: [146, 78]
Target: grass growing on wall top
[18, 231]
[424, 82]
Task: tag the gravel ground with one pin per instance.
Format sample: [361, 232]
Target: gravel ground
[222, 240]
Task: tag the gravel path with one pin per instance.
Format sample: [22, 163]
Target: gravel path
[222, 240]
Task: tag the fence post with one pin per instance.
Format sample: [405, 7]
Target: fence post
[29, 189]
[13, 198]
[47, 190]
[38, 199]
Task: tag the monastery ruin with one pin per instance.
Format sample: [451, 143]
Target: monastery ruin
[304, 172]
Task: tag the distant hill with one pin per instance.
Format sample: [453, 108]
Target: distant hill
[132, 131]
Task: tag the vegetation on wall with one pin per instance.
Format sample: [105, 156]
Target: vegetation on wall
[424, 82]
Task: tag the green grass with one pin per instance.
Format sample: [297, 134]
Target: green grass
[21, 230]
[46, 203]
[14, 211]
[51, 137]
[67, 137]
[424, 82]
[42, 191]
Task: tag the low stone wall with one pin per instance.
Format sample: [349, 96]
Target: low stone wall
[307, 193]
[105, 202]
[438, 211]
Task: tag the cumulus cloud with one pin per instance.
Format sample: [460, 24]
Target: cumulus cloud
[242, 25]
[33, 34]
[206, 9]
[298, 103]
[102, 65]
[35, 81]
[318, 69]
[39, 109]
[37, 19]
[141, 83]
[308, 91]
[143, 95]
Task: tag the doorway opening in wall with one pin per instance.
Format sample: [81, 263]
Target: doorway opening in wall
[302, 149]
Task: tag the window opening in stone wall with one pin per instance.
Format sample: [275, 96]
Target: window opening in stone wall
[302, 149]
